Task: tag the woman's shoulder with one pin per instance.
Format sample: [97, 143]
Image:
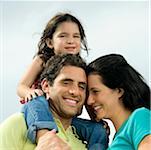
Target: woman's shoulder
[141, 110]
[140, 115]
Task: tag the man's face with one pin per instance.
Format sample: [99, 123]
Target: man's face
[68, 92]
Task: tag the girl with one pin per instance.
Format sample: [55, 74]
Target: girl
[117, 92]
[63, 34]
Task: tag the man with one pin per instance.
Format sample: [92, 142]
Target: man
[64, 83]
[66, 91]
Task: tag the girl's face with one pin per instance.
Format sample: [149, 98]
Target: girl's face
[103, 100]
[66, 39]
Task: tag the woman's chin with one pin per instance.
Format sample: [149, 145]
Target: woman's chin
[99, 117]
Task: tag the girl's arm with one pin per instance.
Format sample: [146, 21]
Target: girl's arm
[24, 89]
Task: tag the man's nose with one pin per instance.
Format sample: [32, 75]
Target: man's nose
[74, 90]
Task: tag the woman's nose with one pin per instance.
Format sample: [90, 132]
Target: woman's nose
[90, 100]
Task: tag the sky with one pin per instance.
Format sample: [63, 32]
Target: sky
[111, 27]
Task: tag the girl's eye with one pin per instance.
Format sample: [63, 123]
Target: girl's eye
[77, 36]
[61, 35]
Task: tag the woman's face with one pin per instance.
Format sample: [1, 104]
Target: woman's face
[103, 100]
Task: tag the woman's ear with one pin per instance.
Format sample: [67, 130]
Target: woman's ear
[121, 92]
[45, 87]
[49, 43]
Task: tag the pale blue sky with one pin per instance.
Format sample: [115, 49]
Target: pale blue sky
[111, 27]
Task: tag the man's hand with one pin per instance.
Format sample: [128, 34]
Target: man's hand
[50, 141]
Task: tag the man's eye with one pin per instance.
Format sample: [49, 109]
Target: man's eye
[82, 87]
[65, 82]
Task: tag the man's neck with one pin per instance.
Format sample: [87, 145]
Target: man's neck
[65, 121]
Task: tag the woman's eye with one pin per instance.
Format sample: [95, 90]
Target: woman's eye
[95, 91]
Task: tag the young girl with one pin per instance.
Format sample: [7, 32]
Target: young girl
[63, 34]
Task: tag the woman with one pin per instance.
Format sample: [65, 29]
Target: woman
[117, 92]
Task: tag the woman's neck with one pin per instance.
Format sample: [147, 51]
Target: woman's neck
[120, 117]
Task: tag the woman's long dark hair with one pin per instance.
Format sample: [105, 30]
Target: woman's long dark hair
[117, 73]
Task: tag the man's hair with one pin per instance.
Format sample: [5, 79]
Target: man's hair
[57, 62]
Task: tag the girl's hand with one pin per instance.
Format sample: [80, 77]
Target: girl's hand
[33, 93]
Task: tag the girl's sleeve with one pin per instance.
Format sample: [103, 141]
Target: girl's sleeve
[38, 116]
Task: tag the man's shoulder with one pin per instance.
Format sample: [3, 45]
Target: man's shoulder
[15, 117]
[13, 133]
[15, 120]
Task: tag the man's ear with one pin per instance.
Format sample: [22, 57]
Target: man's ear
[45, 87]
[49, 43]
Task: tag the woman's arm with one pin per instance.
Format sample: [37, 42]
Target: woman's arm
[23, 89]
[145, 143]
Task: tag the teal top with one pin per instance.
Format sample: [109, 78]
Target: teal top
[132, 131]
